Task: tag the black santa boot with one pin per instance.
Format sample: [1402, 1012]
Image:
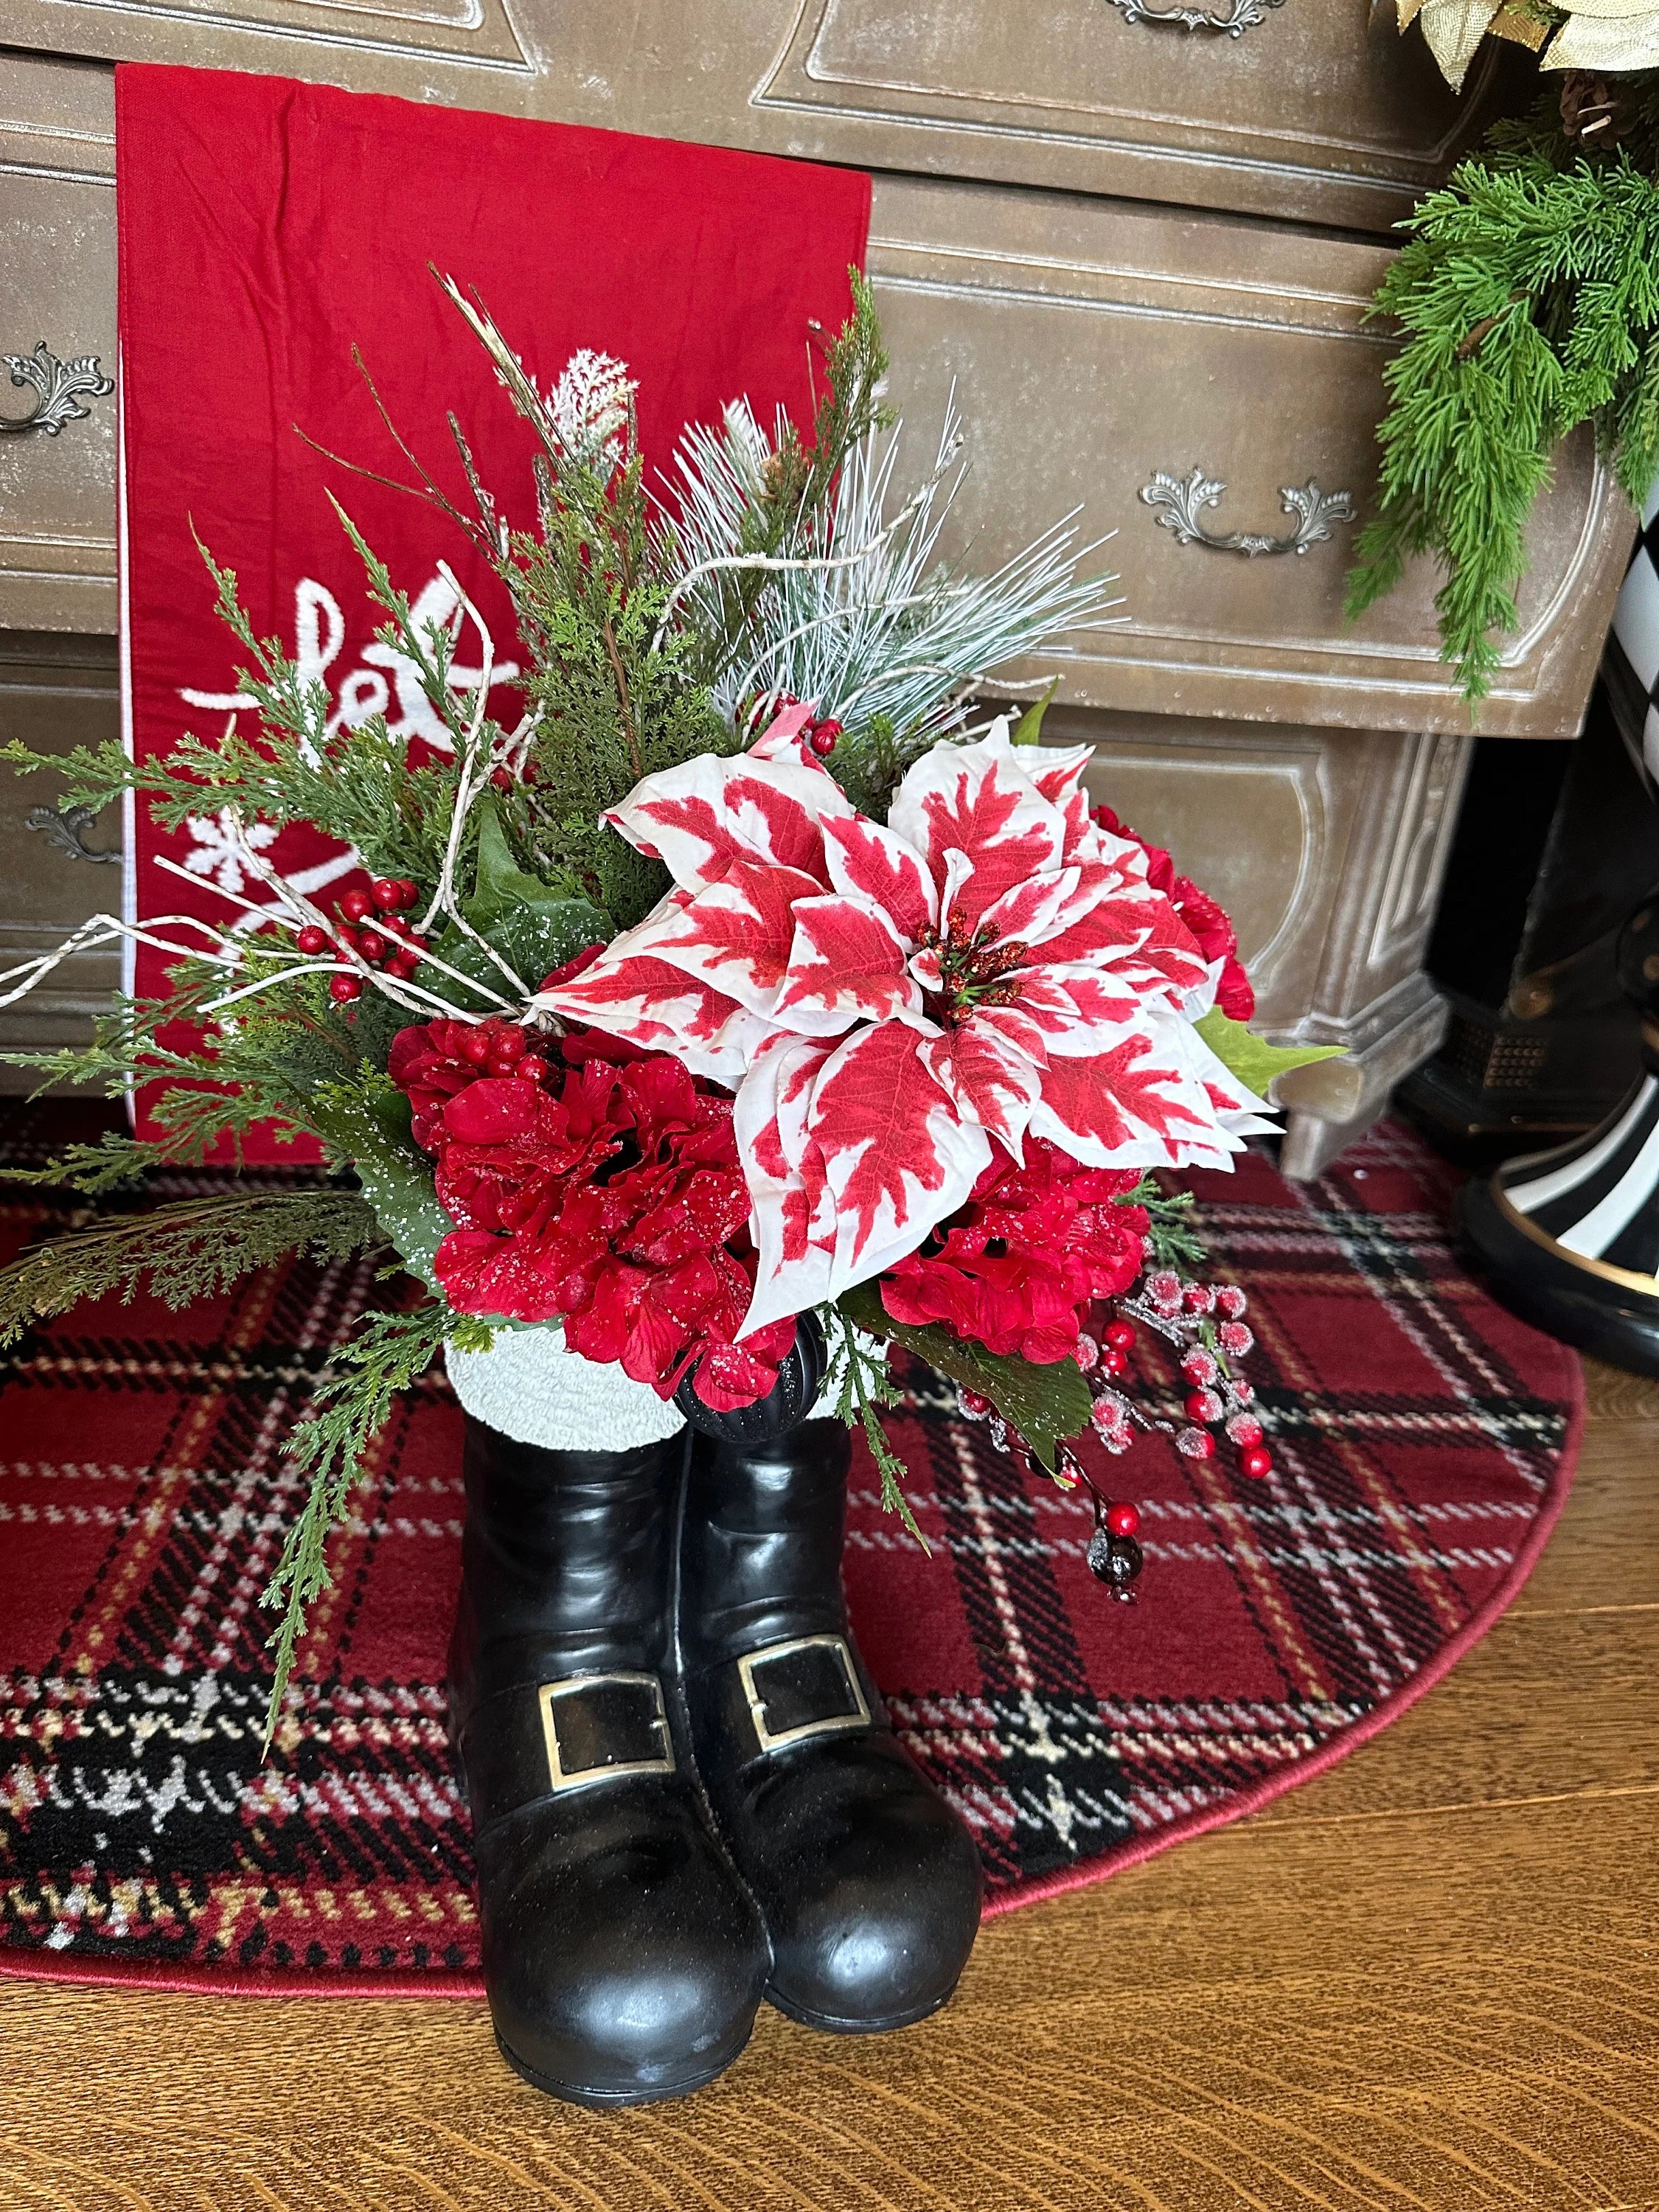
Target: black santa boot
[869, 1883]
[623, 1959]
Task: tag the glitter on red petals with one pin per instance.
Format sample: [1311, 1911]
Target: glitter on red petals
[607, 1195]
[1018, 1268]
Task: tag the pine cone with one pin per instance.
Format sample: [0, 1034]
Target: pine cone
[1595, 112]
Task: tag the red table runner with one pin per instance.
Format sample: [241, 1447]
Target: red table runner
[265, 228]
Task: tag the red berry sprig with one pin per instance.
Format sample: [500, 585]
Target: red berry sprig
[504, 1049]
[370, 927]
[818, 736]
[1205, 1322]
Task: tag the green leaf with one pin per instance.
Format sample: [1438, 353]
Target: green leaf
[499, 885]
[1028, 730]
[1251, 1059]
[1046, 1404]
[535, 926]
[367, 1122]
[533, 940]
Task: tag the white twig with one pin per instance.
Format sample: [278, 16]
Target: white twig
[355, 965]
[780, 562]
[105, 928]
[474, 759]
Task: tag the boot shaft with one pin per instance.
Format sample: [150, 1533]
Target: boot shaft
[760, 1549]
[565, 1561]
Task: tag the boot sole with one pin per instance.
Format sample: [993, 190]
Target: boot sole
[828, 2025]
[608, 2100]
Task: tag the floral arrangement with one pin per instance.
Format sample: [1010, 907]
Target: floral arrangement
[1529, 304]
[753, 989]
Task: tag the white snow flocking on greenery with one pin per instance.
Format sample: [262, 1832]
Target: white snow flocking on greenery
[863, 617]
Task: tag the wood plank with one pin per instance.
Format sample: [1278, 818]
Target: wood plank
[1614, 1395]
[1441, 2014]
[1560, 1705]
[1604, 1551]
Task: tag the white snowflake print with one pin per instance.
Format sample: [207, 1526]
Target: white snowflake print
[221, 845]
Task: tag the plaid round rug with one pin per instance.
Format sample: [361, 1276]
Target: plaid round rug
[1424, 1442]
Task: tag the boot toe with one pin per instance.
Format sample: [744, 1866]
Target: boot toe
[873, 1902]
[631, 1975]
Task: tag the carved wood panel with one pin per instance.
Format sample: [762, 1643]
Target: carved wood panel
[1096, 347]
[1306, 114]
[57, 286]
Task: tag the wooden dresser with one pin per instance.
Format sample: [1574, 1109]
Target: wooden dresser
[1139, 238]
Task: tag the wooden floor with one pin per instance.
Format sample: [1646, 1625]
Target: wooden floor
[1427, 1983]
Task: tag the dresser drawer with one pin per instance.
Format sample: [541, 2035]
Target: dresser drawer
[1293, 108]
[58, 290]
[1098, 347]
[56, 691]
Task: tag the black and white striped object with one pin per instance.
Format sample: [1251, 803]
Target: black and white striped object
[1597, 1198]
[1569, 1238]
[1630, 667]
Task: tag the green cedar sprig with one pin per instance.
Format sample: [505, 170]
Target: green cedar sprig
[193, 1249]
[1528, 295]
[797, 485]
[863, 1383]
[389, 1352]
[1171, 1239]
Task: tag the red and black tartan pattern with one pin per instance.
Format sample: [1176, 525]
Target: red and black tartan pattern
[1422, 1437]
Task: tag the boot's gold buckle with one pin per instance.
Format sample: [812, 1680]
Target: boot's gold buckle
[777, 1738]
[581, 1755]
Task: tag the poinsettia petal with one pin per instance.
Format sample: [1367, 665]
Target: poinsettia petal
[898, 1156]
[737, 934]
[868, 862]
[1136, 934]
[1057, 772]
[1239, 1109]
[975, 799]
[1078, 1008]
[846, 965]
[1131, 1105]
[1122, 859]
[646, 1001]
[988, 1077]
[1039, 908]
[1169, 961]
[794, 1210]
[780, 738]
[701, 816]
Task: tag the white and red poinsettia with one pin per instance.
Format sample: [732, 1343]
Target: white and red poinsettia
[894, 1006]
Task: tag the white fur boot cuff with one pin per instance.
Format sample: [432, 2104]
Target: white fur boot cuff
[529, 1387]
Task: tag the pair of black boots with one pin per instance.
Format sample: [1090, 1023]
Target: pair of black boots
[685, 1794]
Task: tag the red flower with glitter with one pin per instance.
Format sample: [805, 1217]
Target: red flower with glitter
[608, 1197]
[1018, 1266]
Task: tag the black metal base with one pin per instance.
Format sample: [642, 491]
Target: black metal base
[1535, 1278]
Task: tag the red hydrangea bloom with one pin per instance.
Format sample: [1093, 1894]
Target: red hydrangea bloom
[427, 1063]
[1216, 938]
[1017, 1269]
[606, 1196]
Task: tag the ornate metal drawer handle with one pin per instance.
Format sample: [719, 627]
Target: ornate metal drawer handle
[1179, 503]
[68, 832]
[1233, 17]
[59, 388]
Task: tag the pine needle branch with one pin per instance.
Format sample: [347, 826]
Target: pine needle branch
[1528, 295]
[1171, 1239]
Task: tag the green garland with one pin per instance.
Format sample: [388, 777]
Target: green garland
[1528, 294]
